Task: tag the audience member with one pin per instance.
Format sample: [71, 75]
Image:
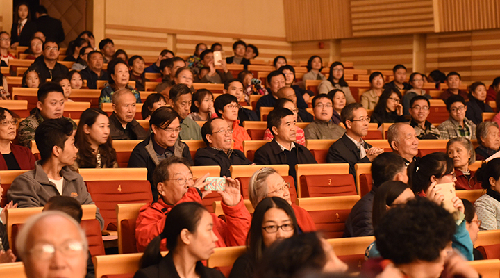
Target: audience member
[388, 108]
[399, 83]
[283, 150]
[417, 83]
[472, 224]
[65, 85]
[488, 205]
[251, 52]
[491, 94]
[403, 141]
[49, 26]
[339, 102]
[122, 124]
[136, 68]
[75, 79]
[273, 220]
[169, 68]
[89, 36]
[107, 47]
[488, 138]
[216, 46]
[5, 56]
[457, 125]
[175, 184]
[118, 79]
[461, 150]
[235, 87]
[31, 79]
[52, 174]
[336, 81]
[314, 67]
[120, 54]
[152, 102]
[453, 80]
[40, 35]
[476, 105]
[226, 106]
[216, 134]
[93, 141]
[419, 111]
[39, 240]
[162, 143]
[73, 50]
[323, 127]
[50, 105]
[279, 61]
[22, 19]
[301, 95]
[275, 81]
[385, 167]
[369, 99]
[288, 93]
[203, 105]
[164, 54]
[180, 98]
[194, 61]
[6, 254]
[437, 77]
[239, 48]
[14, 157]
[288, 104]
[351, 148]
[94, 70]
[47, 64]
[184, 76]
[35, 49]
[214, 76]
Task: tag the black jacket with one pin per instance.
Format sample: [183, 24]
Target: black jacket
[211, 156]
[51, 28]
[4, 238]
[134, 130]
[59, 71]
[166, 269]
[24, 38]
[359, 221]
[265, 101]
[245, 114]
[245, 62]
[299, 92]
[345, 151]
[243, 267]
[475, 110]
[391, 84]
[92, 77]
[387, 117]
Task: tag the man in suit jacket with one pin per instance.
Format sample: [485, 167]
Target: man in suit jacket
[49, 26]
[351, 148]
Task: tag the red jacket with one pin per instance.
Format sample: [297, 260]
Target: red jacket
[465, 183]
[23, 155]
[232, 232]
[304, 220]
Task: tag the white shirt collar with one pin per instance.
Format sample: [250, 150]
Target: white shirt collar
[283, 148]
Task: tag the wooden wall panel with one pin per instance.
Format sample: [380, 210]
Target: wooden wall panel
[467, 15]
[317, 19]
[485, 56]
[303, 50]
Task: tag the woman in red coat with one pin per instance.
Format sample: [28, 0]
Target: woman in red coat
[461, 150]
[13, 157]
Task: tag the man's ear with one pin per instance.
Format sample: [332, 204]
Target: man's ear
[39, 104]
[113, 106]
[394, 145]
[56, 151]
[274, 130]
[209, 138]
[348, 124]
[161, 188]
[170, 102]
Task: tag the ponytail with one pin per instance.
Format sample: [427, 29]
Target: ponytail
[152, 253]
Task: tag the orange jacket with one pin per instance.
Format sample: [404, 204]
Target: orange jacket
[304, 220]
[239, 135]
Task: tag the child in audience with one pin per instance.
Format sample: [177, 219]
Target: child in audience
[153, 102]
[66, 85]
[461, 150]
[203, 106]
[314, 67]
[75, 79]
[488, 205]
[31, 79]
[5, 56]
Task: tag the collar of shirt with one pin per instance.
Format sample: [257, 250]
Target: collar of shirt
[427, 124]
[285, 149]
[357, 143]
[228, 153]
[159, 149]
[456, 123]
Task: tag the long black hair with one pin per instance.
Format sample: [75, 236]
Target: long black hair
[342, 82]
[487, 171]
[309, 62]
[381, 107]
[436, 164]
[385, 196]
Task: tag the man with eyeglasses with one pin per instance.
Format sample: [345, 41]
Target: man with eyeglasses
[163, 142]
[419, 110]
[5, 56]
[351, 148]
[226, 106]
[457, 125]
[46, 64]
[176, 185]
[217, 134]
[323, 127]
[180, 98]
[122, 124]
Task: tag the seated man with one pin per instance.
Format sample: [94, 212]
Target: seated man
[226, 106]
[403, 141]
[385, 167]
[94, 70]
[180, 98]
[399, 82]
[50, 105]
[239, 49]
[107, 47]
[323, 127]
[457, 125]
[289, 93]
[169, 67]
[46, 64]
[282, 149]
[214, 76]
[136, 68]
[52, 175]
[175, 184]
[419, 110]
[351, 148]
[235, 88]
[275, 81]
[216, 134]
[164, 54]
[252, 52]
[162, 143]
[122, 124]
[453, 80]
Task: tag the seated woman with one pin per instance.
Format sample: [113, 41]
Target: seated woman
[75, 79]
[92, 139]
[472, 224]
[35, 49]
[190, 240]
[184, 76]
[203, 102]
[74, 48]
[336, 81]
[388, 108]
[476, 105]
[31, 79]
[268, 183]
[488, 205]
[194, 62]
[461, 150]
[279, 61]
[286, 103]
[488, 138]
[302, 95]
[314, 67]
[273, 219]
[13, 157]
[120, 54]
[118, 79]
[153, 102]
[339, 103]
[370, 98]
[417, 83]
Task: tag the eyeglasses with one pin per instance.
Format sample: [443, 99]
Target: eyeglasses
[172, 130]
[424, 108]
[6, 123]
[51, 48]
[394, 99]
[458, 109]
[321, 106]
[225, 131]
[478, 222]
[4, 39]
[338, 70]
[46, 251]
[271, 229]
[232, 106]
[183, 181]
[280, 189]
[367, 119]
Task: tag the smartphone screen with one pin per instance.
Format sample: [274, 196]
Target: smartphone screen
[217, 58]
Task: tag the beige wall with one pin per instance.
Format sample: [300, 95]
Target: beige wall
[5, 15]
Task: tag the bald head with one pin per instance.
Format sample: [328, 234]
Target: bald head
[288, 93]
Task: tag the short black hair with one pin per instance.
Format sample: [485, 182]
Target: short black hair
[166, 51]
[275, 116]
[273, 74]
[318, 97]
[215, 44]
[452, 73]
[470, 210]
[452, 99]
[86, 32]
[255, 49]
[50, 41]
[161, 173]
[413, 74]
[103, 43]
[205, 52]
[228, 82]
[207, 129]
[287, 67]
[491, 169]
[396, 67]
[419, 97]
[169, 62]
[178, 90]
[373, 75]
[496, 81]
[347, 113]
[66, 204]
[46, 88]
[473, 86]
[111, 68]
[417, 231]
[236, 43]
[281, 102]
[50, 133]
[223, 100]
[132, 59]
[385, 167]
[92, 53]
[276, 60]
[163, 117]
[41, 9]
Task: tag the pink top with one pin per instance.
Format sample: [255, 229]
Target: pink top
[301, 138]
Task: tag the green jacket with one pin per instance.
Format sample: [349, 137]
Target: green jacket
[190, 130]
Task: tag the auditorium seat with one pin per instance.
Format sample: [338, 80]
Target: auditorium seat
[92, 229]
[6, 178]
[319, 149]
[246, 171]
[250, 146]
[487, 268]
[490, 251]
[214, 88]
[12, 270]
[126, 215]
[487, 238]
[426, 147]
[380, 144]
[124, 265]
[74, 109]
[194, 145]
[470, 195]
[152, 75]
[20, 107]
[123, 150]
[321, 186]
[217, 207]
[488, 116]
[351, 250]
[213, 171]
[224, 258]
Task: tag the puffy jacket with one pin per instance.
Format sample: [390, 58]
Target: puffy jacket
[359, 221]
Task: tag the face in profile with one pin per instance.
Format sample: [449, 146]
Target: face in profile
[52, 107]
[203, 241]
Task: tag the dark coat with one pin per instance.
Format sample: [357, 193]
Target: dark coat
[305, 116]
[24, 38]
[134, 129]
[245, 114]
[359, 221]
[299, 92]
[211, 156]
[475, 110]
[265, 101]
[51, 28]
[391, 84]
[245, 62]
[387, 117]
[92, 77]
[243, 267]
[4, 238]
[24, 158]
[166, 269]
[345, 151]
[59, 71]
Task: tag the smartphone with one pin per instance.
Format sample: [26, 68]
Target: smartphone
[217, 58]
[215, 184]
[448, 190]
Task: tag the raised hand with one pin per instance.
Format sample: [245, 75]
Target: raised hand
[231, 196]
[434, 194]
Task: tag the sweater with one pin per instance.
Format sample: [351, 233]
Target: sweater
[488, 210]
[24, 158]
[321, 130]
[190, 130]
[326, 86]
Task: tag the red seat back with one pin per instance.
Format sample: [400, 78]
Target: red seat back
[107, 194]
[319, 155]
[354, 262]
[330, 222]
[244, 181]
[373, 135]
[250, 155]
[92, 230]
[128, 236]
[327, 185]
[490, 251]
[256, 134]
[32, 100]
[122, 159]
[365, 184]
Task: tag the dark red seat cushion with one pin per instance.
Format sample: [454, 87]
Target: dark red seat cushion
[327, 185]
